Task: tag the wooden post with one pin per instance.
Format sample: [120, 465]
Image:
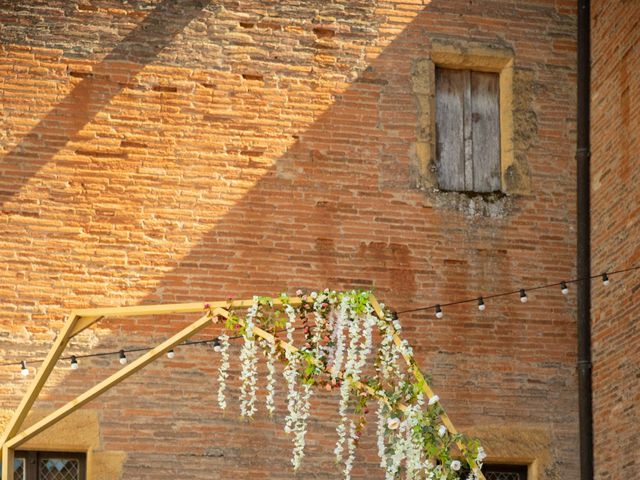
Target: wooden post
[417, 373]
[114, 379]
[40, 379]
[7, 463]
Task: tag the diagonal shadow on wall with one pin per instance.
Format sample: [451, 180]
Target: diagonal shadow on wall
[62, 124]
[336, 209]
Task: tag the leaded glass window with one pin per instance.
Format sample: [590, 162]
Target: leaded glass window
[59, 469]
[18, 469]
[502, 476]
[502, 472]
[49, 466]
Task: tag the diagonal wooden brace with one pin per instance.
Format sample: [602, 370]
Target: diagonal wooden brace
[13, 442]
[40, 379]
[417, 373]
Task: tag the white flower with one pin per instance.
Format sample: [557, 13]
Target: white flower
[434, 399]
[360, 343]
[388, 354]
[249, 361]
[291, 373]
[382, 448]
[223, 370]
[351, 448]
[337, 356]
[414, 441]
[299, 292]
[393, 423]
[300, 427]
[455, 465]
[442, 430]
[271, 380]
[481, 455]
[400, 445]
[314, 294]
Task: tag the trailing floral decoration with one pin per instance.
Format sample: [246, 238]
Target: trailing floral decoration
[271, 378]
[336, 331]
[249, 362]
[223, 370]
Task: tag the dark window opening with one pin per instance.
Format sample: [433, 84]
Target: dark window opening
[502, 472]
[49, 466]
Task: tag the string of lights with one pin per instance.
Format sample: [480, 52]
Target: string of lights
[122, 354]
[437, 308]
[524, 298]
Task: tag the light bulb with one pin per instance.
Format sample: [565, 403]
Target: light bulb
[523, 296]
[24, 370]
[171, 354]
[563, 288]
[74, 362]
[123, 358]
[605, 279]
[481, 305]
[217, 346]
[439, 312]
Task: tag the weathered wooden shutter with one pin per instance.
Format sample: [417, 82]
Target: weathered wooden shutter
[467, 130]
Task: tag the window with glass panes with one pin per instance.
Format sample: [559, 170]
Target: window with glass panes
[502, 472]
[49, 466]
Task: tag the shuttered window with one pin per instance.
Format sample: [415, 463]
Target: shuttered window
[467, 130]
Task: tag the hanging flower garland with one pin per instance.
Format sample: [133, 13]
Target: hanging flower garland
[291, 373]
[249, 363]
[337, 329]
[223, 370]
[271, 379]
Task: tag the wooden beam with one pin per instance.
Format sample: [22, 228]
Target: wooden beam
[417, 373]
[140, 310]
[82, 324]
[40, 379]
[116, 378]
[7, 463]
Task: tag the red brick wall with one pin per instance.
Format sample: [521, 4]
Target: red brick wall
[154, 153]
[616, 234]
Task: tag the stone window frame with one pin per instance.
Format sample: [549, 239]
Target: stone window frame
[79, 432]
[471, 56]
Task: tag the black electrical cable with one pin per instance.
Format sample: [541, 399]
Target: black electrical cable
[604, 275]
[116, 352]
[518, 291]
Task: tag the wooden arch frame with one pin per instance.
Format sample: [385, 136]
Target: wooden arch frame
[79, 320]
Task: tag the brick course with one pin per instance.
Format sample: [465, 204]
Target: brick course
[162, 153]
